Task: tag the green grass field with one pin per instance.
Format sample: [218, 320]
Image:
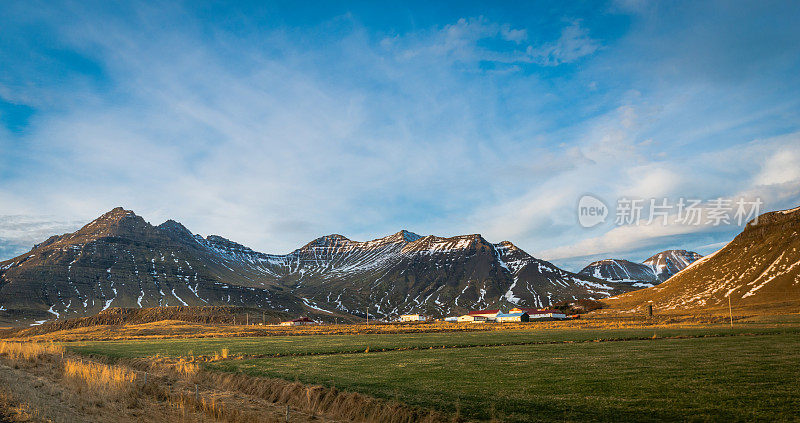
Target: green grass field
[331, 344]
[697, 374]
[699, 379]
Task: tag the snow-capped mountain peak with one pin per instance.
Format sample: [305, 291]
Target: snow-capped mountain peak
[652, 271]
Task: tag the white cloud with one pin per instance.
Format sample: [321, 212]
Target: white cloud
[18, 233]
[573, 44]
[650, 180]
[781, 167]
[621, 239]
[461, 42]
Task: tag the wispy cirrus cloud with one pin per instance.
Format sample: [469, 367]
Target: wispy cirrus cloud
[573, 44]
[476, 40]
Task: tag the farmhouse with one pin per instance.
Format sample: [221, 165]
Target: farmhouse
[298, 321]
[512, 317]
[489, 314]
[472, 318]
[524, 310]
[548, 314]
[535, 313]
[412, 318]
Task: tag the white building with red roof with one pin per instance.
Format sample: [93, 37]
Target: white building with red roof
[540, 313]
[489, 314]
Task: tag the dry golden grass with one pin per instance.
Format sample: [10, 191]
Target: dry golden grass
[101, 378]
[42, 390]
[319, 400]
[29, 351]
[83, 390]
[310, 400]
[223, 355]
[186, 367]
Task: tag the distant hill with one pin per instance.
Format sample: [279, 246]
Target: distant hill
[759, 269]
[132, 316]
[119, 260]
[651, 272]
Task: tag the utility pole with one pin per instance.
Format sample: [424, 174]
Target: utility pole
[247, 319]
[730, 310]
[367, 315]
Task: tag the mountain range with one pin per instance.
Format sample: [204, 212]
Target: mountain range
[120, 260]
[650, 272]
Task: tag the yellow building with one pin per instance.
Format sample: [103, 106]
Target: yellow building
[472, 318]
[512, 317]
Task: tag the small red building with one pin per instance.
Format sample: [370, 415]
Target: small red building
[489, 314]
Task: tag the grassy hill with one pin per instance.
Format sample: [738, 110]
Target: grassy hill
[759, 272]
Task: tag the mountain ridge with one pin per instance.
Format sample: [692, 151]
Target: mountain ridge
[652, 271]
[119, 259]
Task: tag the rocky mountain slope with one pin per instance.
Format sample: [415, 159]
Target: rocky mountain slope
[622, 270]
[650, 272]
[119, 260]
[668, 263]
[759, 268]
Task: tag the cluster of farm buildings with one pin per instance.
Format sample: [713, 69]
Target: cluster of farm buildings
[513, 315]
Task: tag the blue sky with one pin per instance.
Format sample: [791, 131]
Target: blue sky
[273, 124]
